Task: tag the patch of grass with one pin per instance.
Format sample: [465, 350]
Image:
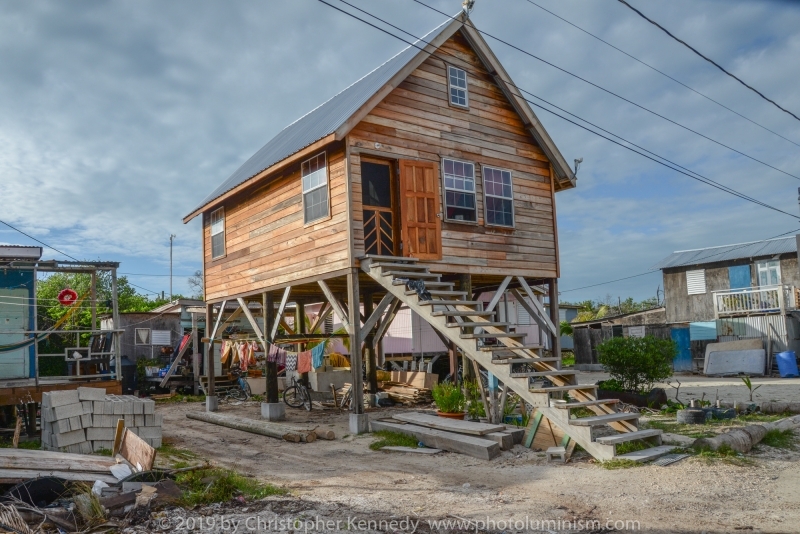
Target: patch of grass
[257, 398]
[619, 464]
[206, 486]
[725, 454]
[632, 446]
[583, 412]
[780, 439]
[181, 398]
[392, 439]
[567, 359]
[30, 445]
[103, 452]
[673, 427]
[171, 451]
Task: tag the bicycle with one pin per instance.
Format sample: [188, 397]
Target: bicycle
[242, 392]
[297, 396]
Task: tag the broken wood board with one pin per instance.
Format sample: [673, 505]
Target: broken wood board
[137, 451]
[450, 425]
[418, 450]
[264, 428]
[15, 476]
[476, 447]
[51, 460]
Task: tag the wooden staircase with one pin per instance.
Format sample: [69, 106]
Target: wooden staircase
[466, 324]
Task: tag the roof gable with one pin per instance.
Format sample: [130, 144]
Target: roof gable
[702, 256]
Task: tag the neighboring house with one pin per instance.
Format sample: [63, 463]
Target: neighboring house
[147, 333]
[730, 292]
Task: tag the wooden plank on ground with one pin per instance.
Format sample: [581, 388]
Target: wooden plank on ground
[137, 451]
[264, 428]
[418, 450]
[450, 425]
[46, 460]
[13, 476]
[476, 447]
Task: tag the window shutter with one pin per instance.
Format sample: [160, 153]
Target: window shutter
[523, 317]
[696, 282]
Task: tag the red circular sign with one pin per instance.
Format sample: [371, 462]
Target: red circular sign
[67, 297]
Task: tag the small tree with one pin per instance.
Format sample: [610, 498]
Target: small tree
[638, 363]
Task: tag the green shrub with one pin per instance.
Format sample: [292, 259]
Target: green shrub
[637, 363]
[449, 398]
[475, 408]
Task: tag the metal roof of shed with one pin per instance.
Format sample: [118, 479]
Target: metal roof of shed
[754, 249]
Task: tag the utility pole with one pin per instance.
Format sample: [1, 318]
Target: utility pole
[171, 239]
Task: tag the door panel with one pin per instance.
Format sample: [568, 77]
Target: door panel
[378, 205]
[14, 318]
[421, 226]
[683, 360]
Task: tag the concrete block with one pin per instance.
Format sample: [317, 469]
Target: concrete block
[359, 423]
[67, 411]
[63, 398]
[118, 407]
[99, 407]
[154, 442]
[88, 406]
[61, 427]
[83, 447]
[75, 422]
[129, 422]
[91, 394]
[100, 433]
[86, 420]
[69, 438]
[149, 406]
[45, 439]
[149, 420]
[138, 420]
[159, 419]
[212, 403]
[149, 432]
[272, 411]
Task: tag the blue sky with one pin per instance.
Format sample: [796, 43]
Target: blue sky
[117, 118]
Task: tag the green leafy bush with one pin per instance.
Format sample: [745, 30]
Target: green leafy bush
[449, 398]
[475, 408]
[637, 363]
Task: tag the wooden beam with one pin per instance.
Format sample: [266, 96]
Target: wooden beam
[376, 314]
[555, 337]
[537, 305]
[196, 355]
[271, 368]
[253, 322]
[337, 306]
[279, 314]
[323, 314]
[386, 322]
[353, 300]
[498, 294]
[210, 349]
[368, 351]
[175, 362]
[219, 318]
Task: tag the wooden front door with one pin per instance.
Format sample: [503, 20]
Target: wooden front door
[378, 193]
[419, 210]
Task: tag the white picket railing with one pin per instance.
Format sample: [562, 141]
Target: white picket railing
[769, 299]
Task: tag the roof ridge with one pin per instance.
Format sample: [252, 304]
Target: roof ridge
[734, 244]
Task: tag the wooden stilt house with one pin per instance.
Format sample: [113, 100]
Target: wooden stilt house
[431, 167]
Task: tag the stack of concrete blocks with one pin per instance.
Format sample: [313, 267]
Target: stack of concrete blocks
[85, 420]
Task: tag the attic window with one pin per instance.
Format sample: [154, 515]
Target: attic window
[457, 84]
[315, 188]
[696, 282]
[218, 233]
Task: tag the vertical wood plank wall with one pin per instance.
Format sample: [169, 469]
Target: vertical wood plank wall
[416, 121]
[267, 242]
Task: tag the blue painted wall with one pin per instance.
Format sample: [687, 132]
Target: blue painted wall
[16, 279]
[739, 276]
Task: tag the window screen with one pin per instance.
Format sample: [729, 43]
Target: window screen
[499, 197]
[218, 233]
[315, 188]
[459, 191]
[457, 81]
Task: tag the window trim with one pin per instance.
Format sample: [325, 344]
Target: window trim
[476, 222]
[327, 184]
[485, 195]
[766, 264]
[465, 88]
[136, 340]
[223, 232]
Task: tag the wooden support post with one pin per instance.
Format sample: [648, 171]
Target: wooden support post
[210, 346]
[94, 302]
[195, 351]
[452, 355]
[115, 320]
[300, 328]
[354, 319]
[555, 338]
[272, 367]
[465, 284]
[369, 342]
[31, 428]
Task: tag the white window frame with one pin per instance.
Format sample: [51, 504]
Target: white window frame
[445, 189]
[486, 195]
[450, 70]
[220, 230]
[137, 340]
[325, 183]
[696, 278]
[766, 266]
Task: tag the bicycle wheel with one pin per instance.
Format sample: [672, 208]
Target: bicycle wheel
[238, 393]
[307, 399]
[293, 397]
[247, 391]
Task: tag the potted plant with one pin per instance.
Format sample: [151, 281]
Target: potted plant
[449, 400]
[636, 365]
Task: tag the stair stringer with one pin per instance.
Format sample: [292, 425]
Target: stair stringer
[581, 435]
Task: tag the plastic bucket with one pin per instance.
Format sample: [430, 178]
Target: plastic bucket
[787, 364]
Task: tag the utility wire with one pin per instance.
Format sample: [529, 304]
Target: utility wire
[662, 73]
[613, 93]
[671, 165]
[720, 67]
[40, 242]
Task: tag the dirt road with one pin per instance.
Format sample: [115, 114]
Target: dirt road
[690, 496]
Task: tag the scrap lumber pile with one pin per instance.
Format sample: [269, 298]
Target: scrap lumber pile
[479, 440]
[84, 420]
[406, 393]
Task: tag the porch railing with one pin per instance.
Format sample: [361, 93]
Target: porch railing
[760, 300]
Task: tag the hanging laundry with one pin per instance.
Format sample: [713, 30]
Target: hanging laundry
[304, 362]
[272, 355]
[291, 361]
[241, 350]
[225, 351]
[252, 348]
[316, 355]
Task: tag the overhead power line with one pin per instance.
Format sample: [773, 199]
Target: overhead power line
[720, 67]
[662, 73]
[669, 164]
[515, 47]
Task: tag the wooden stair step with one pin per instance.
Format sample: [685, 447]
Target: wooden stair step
[629, 436]
[523, 374]
[436, 302]
[499, 348]
[646, 455]
[428, 285]
[401, 266]
[504, 361]
[599, 420]
[378, 257]
[484, 335]
[569, 405]
[410, 274]
[461, 313]
[571, 387]
[476, 325]
[439, 292]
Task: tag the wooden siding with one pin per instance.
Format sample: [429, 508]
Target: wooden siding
[267, 242]
[415, 121]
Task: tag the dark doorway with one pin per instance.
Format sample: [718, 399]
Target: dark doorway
[377, 198]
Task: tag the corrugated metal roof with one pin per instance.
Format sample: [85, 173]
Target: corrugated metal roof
[321, 121]
[755, 249]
